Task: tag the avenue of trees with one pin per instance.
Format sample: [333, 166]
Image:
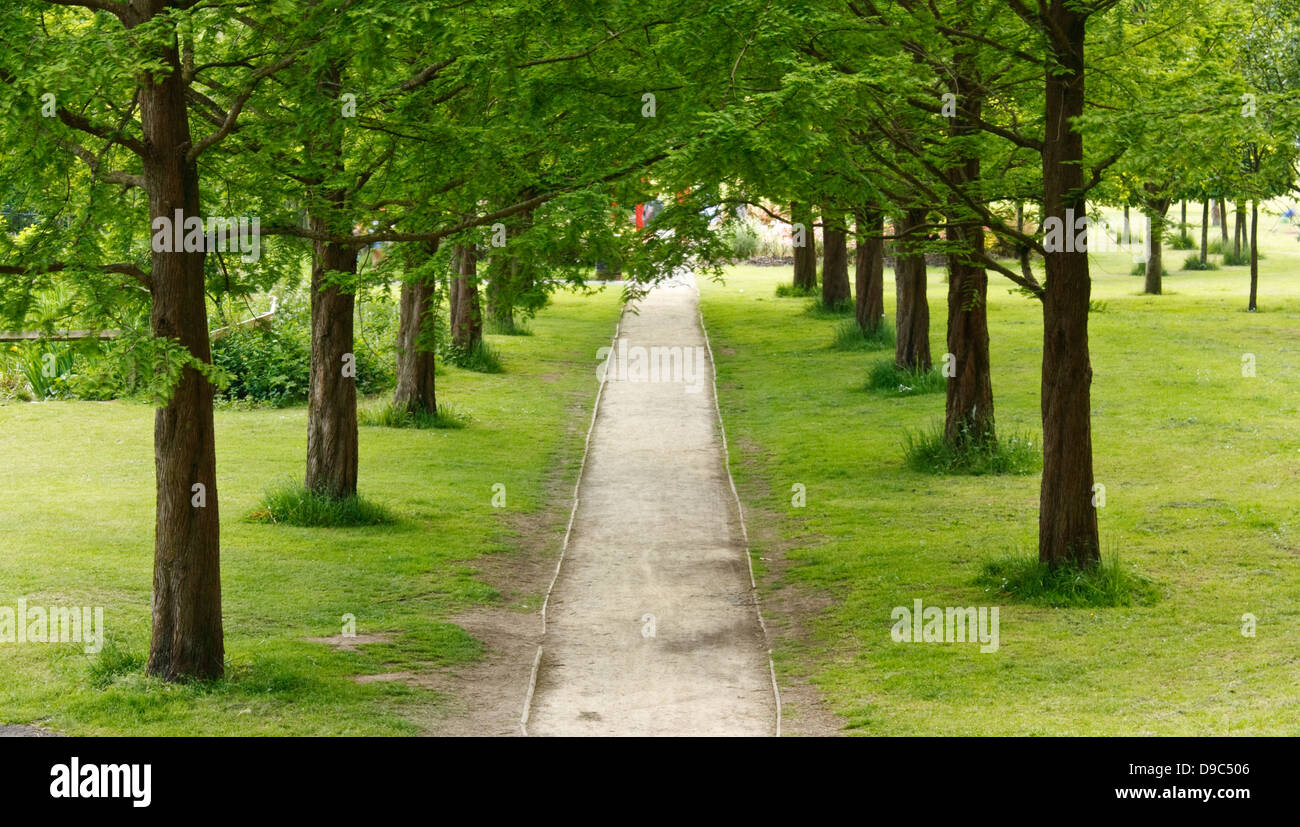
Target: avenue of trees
[497, 148]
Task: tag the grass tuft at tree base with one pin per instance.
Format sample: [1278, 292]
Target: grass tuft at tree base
[849, 336]
[786, 290]
[820, 310]
[1022, 579]
[1193, 262]
[293, 504]
[481, 357]
[394, 416]
[889, 377]
[507, 327]
[929, 452]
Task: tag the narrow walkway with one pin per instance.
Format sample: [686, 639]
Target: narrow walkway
[651, 626]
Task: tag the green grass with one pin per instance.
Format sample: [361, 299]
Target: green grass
[928, 451]
[1193, 262]
[820, 310]
[508, 327]
[389, 415]
[1018, 578]
[481, 357]
[787, 290]
[848, 335]
[77, 501]
[887, 377]
[291, 503]
[1201, 467]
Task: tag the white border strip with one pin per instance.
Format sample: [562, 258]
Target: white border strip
[740, 511]
[586, 446]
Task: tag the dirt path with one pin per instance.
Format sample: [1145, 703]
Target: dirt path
[651, 627]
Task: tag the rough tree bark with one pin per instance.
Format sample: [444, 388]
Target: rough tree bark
[332, 442]
[1223, 221]
[1067, 518]
[187, 634]
[1155, 212]
[332, 447]
[1239, 228]
[1254, 256]
[912, 344]
[466, 316]
[805, 257]
[416, 363]
[968, 415]
[1205, 230]
[869, 268]
[835, 259]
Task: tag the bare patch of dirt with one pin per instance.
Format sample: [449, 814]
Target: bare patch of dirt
[349, 643]
[25, 731]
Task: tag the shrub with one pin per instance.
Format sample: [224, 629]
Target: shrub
[742, 238]
[1233, 260]
[1182, 241]
[266, 365]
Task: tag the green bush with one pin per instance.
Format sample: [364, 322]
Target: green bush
[1193, 262]
[1183, 241]
[1232, 260]
[266, 365]
[742, 238]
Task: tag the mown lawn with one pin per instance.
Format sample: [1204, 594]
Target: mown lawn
[76, 528]
[1201, 470]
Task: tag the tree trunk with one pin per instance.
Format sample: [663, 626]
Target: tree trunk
[332, 448]
[1223, 222]
[1239, 229]
[415, 349]
[1205, 231]
[1067, 518]
[1254, 255]
[869, 268]
[835, 260]
[968, 416]
[805, 257]
[1128, 233]
[1155, 212]
[187, 637]
[1182, 226]
[466, 317]
[912, 316]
